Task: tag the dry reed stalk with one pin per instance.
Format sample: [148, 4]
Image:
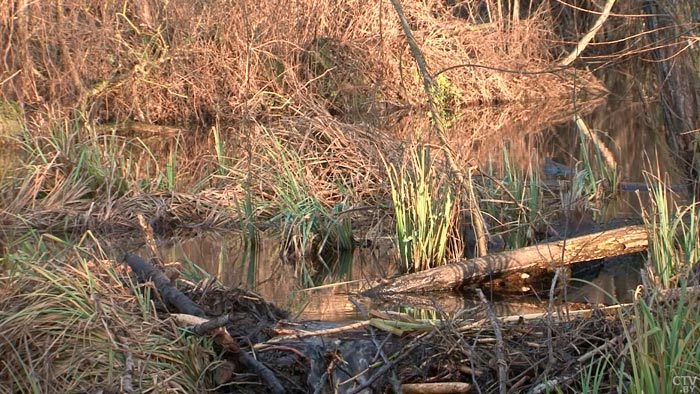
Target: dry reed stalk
[157, 63]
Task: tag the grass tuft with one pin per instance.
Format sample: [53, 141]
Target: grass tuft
[71, 322]
[423, 204]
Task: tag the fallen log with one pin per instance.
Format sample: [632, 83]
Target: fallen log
[613, 242]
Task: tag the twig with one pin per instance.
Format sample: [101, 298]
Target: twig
[329, 331]
[551, 383]
[477, 219]
[599, 350]
[380, 347]
[550, 317]
[128, 375]
[499, 342]
[476, 216]
[210, 325]
[381, 371]
[436, 388]
[225, 340]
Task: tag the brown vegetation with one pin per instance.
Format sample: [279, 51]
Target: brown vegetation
[333, 83]
[181, 62]
[217, 113]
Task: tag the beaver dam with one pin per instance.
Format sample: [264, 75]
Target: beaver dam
[355, 197]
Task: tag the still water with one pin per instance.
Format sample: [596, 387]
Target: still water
[628, 127]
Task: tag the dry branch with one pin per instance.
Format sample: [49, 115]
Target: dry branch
[583, 43]
[223, 338]
[501, 360]
[171, 295]
[615, 242]
[436, 388]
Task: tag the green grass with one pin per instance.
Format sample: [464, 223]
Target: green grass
[597, 175]
[311, 229]
[674, 240]
[72, 161]
[423, 205]
[663, 344]
[515, 199]
[662, 333]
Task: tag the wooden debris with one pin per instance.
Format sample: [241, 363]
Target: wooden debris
[147, 271]
[436, 388]
[614, 242]
[225, 340]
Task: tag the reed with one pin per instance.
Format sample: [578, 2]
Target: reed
[310, 228]
[597, 179]
[515, 199]
[662, 354]
[423, 206]
[674, 237]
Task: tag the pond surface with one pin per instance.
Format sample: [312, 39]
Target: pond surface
[628, 128]
[226, 257]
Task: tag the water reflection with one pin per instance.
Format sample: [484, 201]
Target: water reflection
[234, 262]
[261, 269]
[633, 139]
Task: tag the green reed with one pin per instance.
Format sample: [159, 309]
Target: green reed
[310, 228]
[515, 200]
[674, 237]
[423, 206]
[662, 352]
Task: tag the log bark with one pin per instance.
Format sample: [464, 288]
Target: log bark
[614, 242]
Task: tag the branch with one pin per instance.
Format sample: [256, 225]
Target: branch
[589, 36]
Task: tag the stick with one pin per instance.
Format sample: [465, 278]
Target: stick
[436, 388]
[589, 36]
[223, 338]
[502, 376]
[146, 271]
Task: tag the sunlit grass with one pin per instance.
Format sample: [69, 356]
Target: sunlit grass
[663, 334]
[663, 344]
[311, 229]
[423, 203]
[73, 162]
[674, 240]
[69, 312]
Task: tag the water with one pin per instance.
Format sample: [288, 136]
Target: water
[633, 140]
[225, 257]
[628, 128]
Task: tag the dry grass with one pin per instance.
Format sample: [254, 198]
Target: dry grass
[334, 83]
[303, 94]
[72, 322]
[179, 62]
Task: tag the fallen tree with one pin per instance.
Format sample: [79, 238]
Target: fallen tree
[613, 242]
